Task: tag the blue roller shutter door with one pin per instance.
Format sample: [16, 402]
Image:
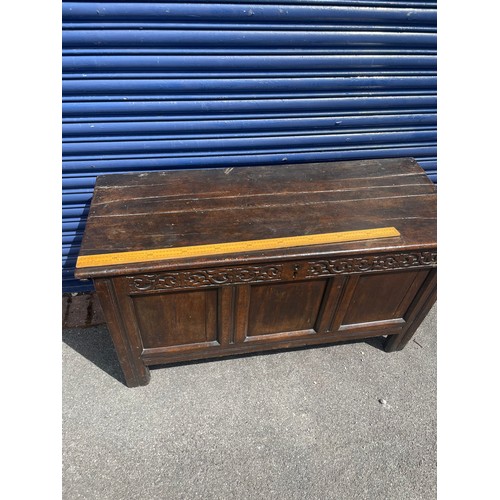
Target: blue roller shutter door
[152, 86]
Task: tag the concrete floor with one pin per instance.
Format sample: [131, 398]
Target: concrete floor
[341, 422]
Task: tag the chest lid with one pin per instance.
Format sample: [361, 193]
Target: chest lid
[241, 211]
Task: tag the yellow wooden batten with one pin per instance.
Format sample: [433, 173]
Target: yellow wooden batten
[109, 259]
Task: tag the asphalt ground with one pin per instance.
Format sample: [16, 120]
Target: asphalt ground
[346, 421]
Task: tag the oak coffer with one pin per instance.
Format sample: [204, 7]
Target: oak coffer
[205, 263]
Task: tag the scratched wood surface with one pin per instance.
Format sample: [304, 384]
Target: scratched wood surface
[194, 207]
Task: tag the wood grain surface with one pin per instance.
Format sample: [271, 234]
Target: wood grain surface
[131, 212]
[203, 306]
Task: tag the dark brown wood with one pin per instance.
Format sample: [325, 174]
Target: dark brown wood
[416, 313]
[226, 314]
[327, 314]
[180, 318]
[192, 207]
[207, 307]
[129, 353]
[378, 297]
[273, 307]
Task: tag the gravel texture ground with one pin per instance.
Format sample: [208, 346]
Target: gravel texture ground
[339, 422]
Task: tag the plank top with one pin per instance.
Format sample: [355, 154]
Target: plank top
[182, 208]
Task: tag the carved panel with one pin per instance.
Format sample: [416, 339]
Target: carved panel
[387, 262]
[287, 271]
[203, 278]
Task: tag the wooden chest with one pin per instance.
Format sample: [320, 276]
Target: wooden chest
[206, 263]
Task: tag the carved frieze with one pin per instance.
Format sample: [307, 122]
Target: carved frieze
[204, 277]
[387, 262]
[287, 271]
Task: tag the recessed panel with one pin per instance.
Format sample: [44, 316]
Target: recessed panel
[380, 297]
[177, 318]
[284, 307]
